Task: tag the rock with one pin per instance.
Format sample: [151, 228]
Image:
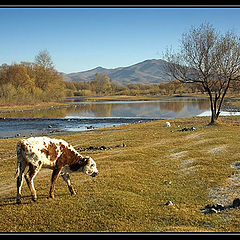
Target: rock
[236, 202]
[212, 208]
[92, 148]
[102, 148]
[215, 206]
[187, 129]
[169, 203]
[49, 126]
[219, 207]
[167, 124]
[121, 145]
[167, 182]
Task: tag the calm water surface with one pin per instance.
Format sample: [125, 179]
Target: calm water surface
[159, 109]
[82, 116]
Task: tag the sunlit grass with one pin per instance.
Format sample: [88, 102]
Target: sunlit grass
[158, 164]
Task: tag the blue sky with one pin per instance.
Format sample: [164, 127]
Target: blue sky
[80, 39]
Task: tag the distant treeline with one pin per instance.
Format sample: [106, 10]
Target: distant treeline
[101, 85]
[31, 83]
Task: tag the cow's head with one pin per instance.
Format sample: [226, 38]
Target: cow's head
[90, 167]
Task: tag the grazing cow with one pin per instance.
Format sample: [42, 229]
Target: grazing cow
[56, 154]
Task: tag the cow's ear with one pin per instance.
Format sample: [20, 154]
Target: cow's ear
[85, 160]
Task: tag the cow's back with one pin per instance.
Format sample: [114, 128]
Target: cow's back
[41, 150]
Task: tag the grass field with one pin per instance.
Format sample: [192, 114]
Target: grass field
[158, 164]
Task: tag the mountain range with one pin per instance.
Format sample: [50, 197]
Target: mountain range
[151, 71]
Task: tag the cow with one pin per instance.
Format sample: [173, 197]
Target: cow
[56, 154]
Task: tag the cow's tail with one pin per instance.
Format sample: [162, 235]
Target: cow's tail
[19, 158]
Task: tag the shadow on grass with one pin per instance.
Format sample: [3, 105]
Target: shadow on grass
[11, 201]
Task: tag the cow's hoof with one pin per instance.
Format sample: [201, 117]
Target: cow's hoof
[73, 193]
[34, 199]
[51, 196]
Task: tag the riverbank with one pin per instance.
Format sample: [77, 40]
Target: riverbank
[158, 182]
[32, 127]
[21, 108]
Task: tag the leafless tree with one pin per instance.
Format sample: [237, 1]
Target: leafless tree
[208, 58]
[44, 59]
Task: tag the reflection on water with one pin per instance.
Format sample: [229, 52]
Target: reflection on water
[82, 116]
[172, 108]
[176, 107]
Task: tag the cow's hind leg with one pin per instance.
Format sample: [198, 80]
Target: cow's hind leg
[54, 178]
[29, 176]
[66, 178]
[20, 181]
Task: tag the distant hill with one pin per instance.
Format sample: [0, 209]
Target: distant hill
[146, 72]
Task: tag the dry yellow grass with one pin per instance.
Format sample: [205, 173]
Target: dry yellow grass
[158, 164]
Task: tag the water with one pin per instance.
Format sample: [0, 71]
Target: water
[84, 116]
[25, 127]
[158, 109]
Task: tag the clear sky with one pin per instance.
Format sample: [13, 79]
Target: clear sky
[80, 39]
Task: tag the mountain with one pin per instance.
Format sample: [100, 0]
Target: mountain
[146, 72]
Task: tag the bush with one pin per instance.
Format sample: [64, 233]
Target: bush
[29, 83]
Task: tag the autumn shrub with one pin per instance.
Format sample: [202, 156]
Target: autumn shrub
[29, 83]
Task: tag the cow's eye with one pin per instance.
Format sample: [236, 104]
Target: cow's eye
[92, 165]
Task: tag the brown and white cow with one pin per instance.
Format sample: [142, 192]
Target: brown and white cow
[56, 154]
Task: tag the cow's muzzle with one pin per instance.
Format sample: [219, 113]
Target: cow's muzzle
[94, 174]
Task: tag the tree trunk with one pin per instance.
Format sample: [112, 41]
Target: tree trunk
[216, 103]
[213, 104]
[214, 118]
[214, 115]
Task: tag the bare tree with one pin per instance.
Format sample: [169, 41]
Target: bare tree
[208, 58]
[44, 59]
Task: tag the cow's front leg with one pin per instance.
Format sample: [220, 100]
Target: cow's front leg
[66, 178]
[54, 178]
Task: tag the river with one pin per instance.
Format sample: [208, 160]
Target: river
[84, 116]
